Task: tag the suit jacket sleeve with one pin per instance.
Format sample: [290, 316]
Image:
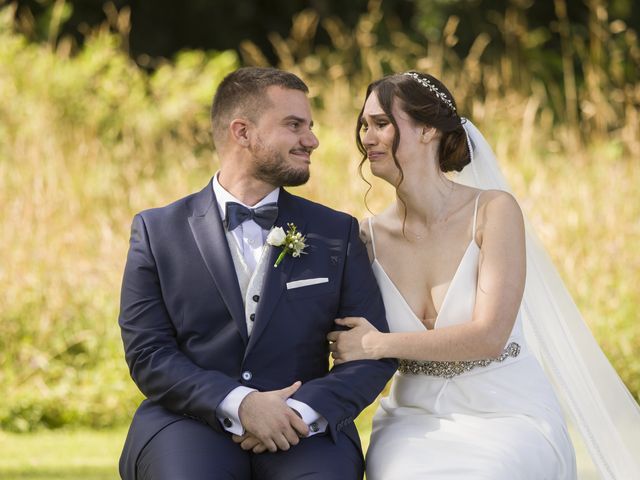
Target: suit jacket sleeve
[158, 367]
[349, 387]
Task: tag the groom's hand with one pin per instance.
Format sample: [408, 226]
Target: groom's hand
[270, 420]
[249, 442]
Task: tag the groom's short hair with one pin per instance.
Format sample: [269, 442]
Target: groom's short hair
[243, 93]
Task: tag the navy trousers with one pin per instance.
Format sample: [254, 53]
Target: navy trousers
[190, 450]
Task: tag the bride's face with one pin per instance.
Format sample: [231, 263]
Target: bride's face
[378, 134]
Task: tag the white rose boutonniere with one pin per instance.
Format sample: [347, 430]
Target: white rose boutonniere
[276, 236]
[292, 242]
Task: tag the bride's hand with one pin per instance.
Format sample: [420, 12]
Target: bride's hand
[354, 344]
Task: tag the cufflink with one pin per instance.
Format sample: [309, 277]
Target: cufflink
[227, 422]
[313, 426]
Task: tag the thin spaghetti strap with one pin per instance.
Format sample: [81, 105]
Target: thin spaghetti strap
[373, 240]
[475, 216]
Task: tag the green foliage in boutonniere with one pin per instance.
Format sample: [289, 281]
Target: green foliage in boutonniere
[292, 242]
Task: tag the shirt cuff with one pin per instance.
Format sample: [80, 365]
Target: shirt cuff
[227, 411]
[316, 422]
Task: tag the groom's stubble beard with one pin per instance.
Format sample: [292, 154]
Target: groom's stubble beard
[271, 167]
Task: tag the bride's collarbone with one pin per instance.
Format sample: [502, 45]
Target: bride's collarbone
[438, 252]
[408, 234]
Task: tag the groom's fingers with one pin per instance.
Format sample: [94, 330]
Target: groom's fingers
[290, 390]
[293, 438]
[260, 448]
[250, 443]
[301, 428]
[270, 445]
[333, 336]
[282, 441]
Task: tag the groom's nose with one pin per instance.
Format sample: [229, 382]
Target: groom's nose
[309, 140]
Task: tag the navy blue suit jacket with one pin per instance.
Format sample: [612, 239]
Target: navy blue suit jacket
[183, 321]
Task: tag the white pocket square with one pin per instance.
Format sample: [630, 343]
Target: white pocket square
[306, 282]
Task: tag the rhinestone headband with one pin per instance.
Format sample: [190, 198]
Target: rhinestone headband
[433, 89]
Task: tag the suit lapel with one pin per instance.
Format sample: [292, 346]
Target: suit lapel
[275, 280]
[208, 231]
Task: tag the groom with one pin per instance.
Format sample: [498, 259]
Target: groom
[230, 350]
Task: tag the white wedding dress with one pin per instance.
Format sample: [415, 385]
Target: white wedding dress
[496, 419]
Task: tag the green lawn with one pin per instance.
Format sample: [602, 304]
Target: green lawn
[61, 454]
[93, 455]
[78, 454]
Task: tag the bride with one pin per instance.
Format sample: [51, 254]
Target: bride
[473, 306]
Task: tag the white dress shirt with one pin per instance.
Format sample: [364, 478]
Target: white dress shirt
[251, 238]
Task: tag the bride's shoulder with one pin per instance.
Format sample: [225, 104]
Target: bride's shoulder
[365, 234]
[375, 224]
[497, 201]
[499, 208]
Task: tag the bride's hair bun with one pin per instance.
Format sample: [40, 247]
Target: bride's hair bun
[454, 153]
[428, 101]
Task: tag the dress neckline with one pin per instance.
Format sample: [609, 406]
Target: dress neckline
[445, 300]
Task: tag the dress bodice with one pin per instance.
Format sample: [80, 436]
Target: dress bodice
[459, 300]
[457, 306]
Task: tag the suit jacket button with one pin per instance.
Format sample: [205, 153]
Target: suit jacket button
[256, 298]
[227, 422]
[247, 375]
[313, 426]
[252, 317]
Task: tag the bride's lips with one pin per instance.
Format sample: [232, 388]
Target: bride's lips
[374, 155]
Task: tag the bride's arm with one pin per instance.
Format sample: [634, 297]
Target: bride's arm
[501, 278]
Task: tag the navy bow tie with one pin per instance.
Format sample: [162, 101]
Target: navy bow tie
[265, 216]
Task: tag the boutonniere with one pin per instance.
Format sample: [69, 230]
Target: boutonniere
[292, 242]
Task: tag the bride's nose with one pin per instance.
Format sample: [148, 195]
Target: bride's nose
[369, 138]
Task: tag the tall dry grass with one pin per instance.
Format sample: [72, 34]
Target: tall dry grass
[87, 139]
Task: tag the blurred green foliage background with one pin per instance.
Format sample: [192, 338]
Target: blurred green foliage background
[88, 137]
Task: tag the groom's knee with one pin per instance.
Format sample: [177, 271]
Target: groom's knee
[314, 458]
[191, 450]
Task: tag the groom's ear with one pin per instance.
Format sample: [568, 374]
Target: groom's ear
[239, 129]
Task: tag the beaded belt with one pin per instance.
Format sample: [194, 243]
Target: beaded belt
[452, 369]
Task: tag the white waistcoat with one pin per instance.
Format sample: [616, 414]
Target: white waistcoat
[250, 283]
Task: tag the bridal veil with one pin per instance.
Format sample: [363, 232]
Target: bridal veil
[593, 396]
